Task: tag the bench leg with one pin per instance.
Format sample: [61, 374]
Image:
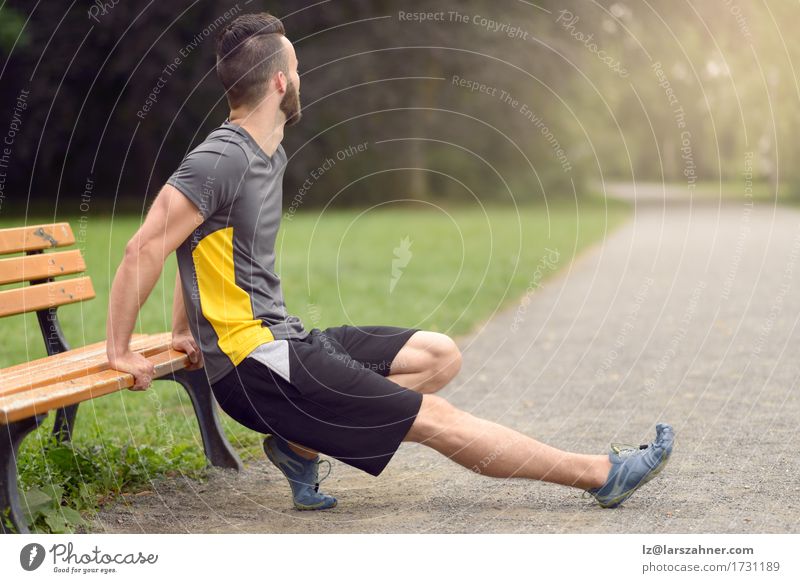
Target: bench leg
[64, 422]
[218, 451]
[13, 519]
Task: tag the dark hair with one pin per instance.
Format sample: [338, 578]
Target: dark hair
[249, 53]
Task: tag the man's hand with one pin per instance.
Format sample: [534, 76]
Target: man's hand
[134, 363]
[184, 342]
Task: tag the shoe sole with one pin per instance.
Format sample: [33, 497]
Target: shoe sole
[624, 496]
[305, 508]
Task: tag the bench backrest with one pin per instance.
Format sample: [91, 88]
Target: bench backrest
[59, 382]
[35, 271]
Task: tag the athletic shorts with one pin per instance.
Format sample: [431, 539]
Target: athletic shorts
[327, 392]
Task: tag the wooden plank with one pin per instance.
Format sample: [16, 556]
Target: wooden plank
[73, 364]
[89, 349]
[45, 295]
[79, 367]
[41, 266]
[35, 237]
[43, 399]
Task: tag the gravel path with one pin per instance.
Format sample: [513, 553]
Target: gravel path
[688, 314]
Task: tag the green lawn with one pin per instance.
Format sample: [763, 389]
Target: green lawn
[461, 265]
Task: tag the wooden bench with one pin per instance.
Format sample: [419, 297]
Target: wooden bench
[65, 378]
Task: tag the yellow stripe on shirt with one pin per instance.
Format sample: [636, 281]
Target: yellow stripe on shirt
[225, 305]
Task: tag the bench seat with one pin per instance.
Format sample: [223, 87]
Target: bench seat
[75, 376]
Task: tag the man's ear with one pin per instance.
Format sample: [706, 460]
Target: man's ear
[281, 82]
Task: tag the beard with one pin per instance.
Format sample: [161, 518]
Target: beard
[290, 105]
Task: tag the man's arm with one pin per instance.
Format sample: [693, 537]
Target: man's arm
[182, 338]
[170, 221]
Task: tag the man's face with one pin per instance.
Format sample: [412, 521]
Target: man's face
[290, 103]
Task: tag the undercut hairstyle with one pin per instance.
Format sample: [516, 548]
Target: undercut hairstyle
[249, 53]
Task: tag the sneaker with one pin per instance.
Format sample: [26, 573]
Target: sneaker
[633, 466]
[303, 474]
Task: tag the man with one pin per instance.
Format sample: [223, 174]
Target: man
[352, 393]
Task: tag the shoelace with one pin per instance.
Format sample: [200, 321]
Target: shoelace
[626, 449]
[320, 480]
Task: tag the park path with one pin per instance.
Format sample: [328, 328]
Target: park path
[687, 314]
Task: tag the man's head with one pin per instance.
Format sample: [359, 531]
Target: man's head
[256, 60]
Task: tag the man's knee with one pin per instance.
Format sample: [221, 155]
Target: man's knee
[443, 363]
[434, 416]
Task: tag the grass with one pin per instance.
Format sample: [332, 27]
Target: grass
[461, 265]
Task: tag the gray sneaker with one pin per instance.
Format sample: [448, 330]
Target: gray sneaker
[633, 466]
[303, 474]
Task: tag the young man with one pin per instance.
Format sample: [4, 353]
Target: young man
[352, 393]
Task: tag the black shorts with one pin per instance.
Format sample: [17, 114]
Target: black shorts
[336, 398]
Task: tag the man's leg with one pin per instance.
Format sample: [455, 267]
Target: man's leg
[493, 450]
[303, 452]
[426, 362]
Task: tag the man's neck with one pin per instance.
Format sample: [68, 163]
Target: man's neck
[265, 126]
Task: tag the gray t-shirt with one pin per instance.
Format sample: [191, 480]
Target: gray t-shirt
[233, 297]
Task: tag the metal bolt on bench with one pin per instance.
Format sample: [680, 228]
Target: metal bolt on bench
[65, 378]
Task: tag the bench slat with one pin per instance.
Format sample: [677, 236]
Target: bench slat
[50, 360]
[45, 295]
[42, 266]
[43, 399]
[35, 237]
[73, 364]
